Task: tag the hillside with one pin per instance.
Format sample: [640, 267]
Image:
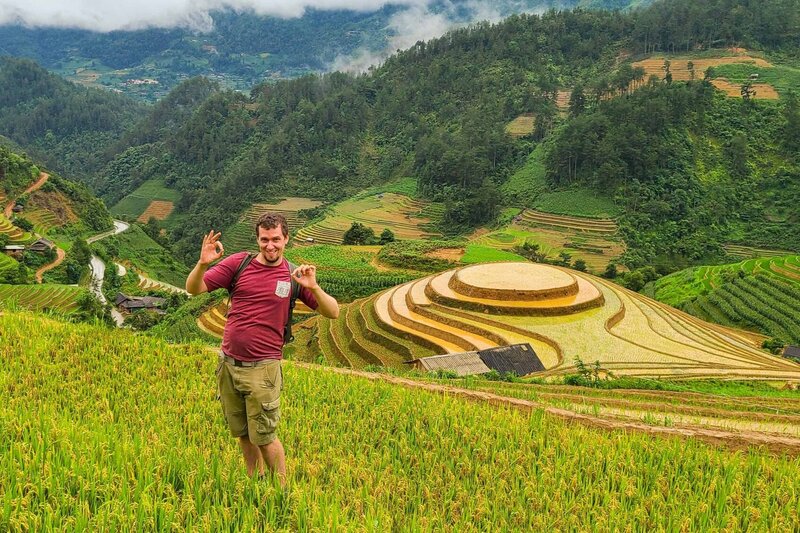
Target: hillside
[758, 294]
[122, 452]
[241, 48]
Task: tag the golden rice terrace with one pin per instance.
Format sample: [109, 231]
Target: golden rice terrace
[563, 314]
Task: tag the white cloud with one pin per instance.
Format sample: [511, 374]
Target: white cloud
[108, 15]
[421, 23]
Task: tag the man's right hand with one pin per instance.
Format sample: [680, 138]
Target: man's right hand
[212, 248]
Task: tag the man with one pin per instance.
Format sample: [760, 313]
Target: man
[249, 375]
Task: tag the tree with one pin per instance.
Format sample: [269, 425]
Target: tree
[747, 91]
[577, 101]
[359, 234]
[690, 67]
[579, 265]
[386, 237]
[611, 271]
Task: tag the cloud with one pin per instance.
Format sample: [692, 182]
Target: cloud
[421, 22]
[109, 15]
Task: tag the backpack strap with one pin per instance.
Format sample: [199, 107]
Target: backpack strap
[245, 261]
[287, 329]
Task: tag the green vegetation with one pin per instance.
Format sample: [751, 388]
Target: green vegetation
[145, 254]
[115, 432]
[136, 202]
[348, 272]
[476, 253]
[418, 255]
[784, 78]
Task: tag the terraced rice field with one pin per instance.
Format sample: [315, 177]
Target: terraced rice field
[562, 313]
[158, 209]
[404, 216]
[679, 68]
[521, 126]
[690, 283]
[593, 240]
[748, 252]
[241, 236]
[15, 234]
[63, 298]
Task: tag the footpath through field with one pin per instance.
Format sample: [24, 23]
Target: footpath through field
[733, 438]
[60, 255]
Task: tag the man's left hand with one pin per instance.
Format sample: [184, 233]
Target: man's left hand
[306, 276]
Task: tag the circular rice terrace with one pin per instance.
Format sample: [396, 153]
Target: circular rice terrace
[563, 314]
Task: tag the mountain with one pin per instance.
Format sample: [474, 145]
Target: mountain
[240, 49]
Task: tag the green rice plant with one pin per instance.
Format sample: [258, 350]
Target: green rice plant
[117, 431]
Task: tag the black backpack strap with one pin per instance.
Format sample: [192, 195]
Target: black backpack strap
[245, 261]
[287, 329]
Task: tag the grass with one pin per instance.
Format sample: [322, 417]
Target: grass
[476, 253]
[528, 187]
[95, 440]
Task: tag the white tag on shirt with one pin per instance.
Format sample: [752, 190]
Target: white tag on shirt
[283, 288]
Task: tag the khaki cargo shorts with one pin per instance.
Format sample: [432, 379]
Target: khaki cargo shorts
[251, 398]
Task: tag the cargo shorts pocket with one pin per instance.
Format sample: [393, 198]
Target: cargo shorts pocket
[270, 416]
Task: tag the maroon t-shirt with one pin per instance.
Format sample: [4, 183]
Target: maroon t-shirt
[259, 307]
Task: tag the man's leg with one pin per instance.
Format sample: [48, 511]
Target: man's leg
[275, 459]
[252, 456]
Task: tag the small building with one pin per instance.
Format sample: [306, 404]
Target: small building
[519, 359]
[42, 245]
[14, 250]
[753, 77]
[18, 208]
[131, 304]
[792, 352]
[310, 240]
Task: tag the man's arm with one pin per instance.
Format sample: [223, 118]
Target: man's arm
[306, 276]
[210, 251]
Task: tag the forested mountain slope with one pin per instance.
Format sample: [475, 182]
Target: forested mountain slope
[243, 48]
[690, 169]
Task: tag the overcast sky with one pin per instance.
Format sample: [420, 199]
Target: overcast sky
[107, 15]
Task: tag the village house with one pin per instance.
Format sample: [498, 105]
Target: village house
[131, 304]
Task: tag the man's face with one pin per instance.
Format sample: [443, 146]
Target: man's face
[271, 242]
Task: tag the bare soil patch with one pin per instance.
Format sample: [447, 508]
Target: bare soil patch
[56, 203]
[448, 254]
[158, 209]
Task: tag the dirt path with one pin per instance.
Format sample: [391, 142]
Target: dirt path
[9, 209]
[740, 439]
[60, 255]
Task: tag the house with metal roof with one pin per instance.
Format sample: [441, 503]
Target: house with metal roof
[519, 359]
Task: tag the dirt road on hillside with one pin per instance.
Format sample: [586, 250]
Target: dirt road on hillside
[43, 177]
[60, 255]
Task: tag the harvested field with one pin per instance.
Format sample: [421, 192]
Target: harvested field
[679, 67]
[563, 314]
[762, 91]
[521, 126]
[158, 209]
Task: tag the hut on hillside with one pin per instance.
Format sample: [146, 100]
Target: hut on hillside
[792, 352]
[41, 245]
[131, 304]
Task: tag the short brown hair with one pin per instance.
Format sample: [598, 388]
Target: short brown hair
[271, 220]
